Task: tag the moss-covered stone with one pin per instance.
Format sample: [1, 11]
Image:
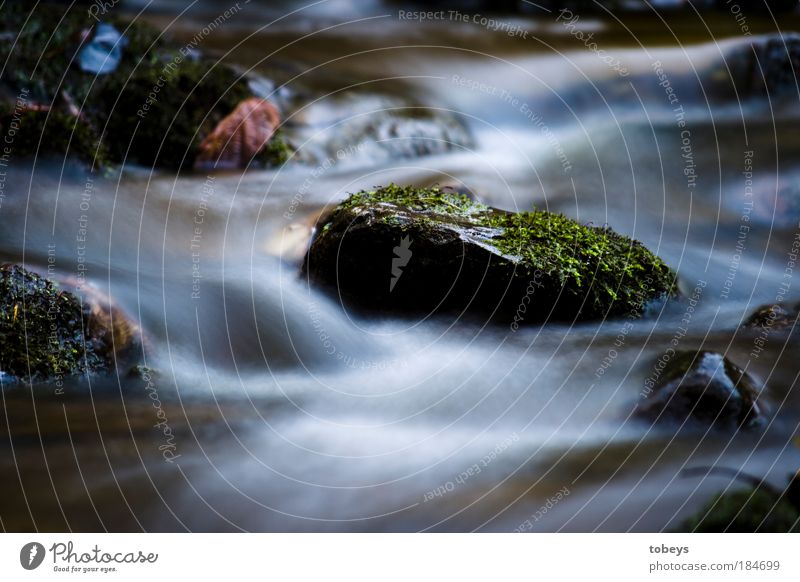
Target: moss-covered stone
[41, 45]
[413, 249]
[746, 511]
[160, 115]
[47, 333]
[45, 133]
[153, 109]
[703, 387]
[43, 329]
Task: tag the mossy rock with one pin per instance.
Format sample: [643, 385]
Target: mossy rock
[53, 133]
[423, 250]
[704, 388]
[153, 109]
[160, 116]
[40, 46]
[47, 333]
[747, 511]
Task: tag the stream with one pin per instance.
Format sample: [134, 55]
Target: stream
[287, 412]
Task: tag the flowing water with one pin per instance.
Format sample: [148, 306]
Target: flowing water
[290, 413]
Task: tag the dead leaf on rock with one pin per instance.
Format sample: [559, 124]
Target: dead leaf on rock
[240, 136]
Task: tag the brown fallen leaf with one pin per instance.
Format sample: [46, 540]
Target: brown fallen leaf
[240, 136]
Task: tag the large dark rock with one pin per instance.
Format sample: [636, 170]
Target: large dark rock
[418, 251]
[705, 388]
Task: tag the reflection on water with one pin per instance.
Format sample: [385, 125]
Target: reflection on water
[292, 414]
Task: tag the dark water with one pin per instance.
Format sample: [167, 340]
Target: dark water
[289, 413]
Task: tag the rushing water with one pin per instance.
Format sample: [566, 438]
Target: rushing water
[290, 413]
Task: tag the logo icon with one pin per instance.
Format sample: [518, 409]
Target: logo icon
[402, 256]
[31, 555]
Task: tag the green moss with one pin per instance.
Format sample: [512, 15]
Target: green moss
[160, 115]
[277, 152]
[54, 133]
[608, 273]
[41, 46]
[594, 262]
[40, 51]
[747, 511]
[154, 109]
[432, 200]
[42, 328]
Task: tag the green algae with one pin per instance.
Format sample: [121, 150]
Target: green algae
[153, 109]
[42, 329]
[598, 271]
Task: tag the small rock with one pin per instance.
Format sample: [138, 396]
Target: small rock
[747, 511]
[776, 317]
[704, 387]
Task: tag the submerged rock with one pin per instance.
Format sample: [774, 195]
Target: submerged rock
[378, 127]
[777, 60]
[746, 511]
[415, 250]
[767, 66]
[42, 133]
[47, 334]
[777, 317]
[704, 387]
